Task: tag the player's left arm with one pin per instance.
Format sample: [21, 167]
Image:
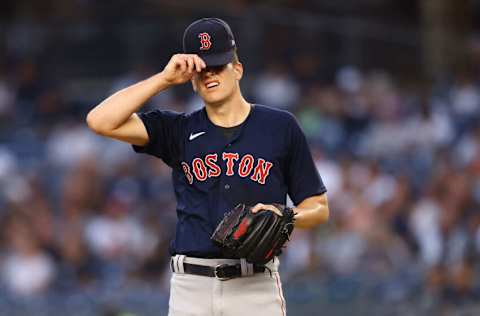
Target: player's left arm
[311, 212]
[305, 186]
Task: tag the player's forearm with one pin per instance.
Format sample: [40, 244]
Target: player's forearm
[117, 108]
[312, 211]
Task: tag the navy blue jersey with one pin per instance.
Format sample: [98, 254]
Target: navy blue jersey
[266, 159]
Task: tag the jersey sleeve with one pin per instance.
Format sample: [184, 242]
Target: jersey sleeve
[303, 177]
[165, 133]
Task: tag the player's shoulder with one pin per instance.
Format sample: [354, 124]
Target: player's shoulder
[171, 115]
[195, 113]
[266, 112]
[162, 113]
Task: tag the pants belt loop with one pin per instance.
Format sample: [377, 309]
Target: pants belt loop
[177, 264]
[181, 259]
[250, 269]
[247, 268]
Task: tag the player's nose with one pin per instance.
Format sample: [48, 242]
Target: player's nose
[206, 74]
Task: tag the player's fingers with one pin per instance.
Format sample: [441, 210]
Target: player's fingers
[268, 207]
[197, 66]
[257, 207]
[199, 63]
[190, 64]
[202, 62]
[180, 63]
[274, 209]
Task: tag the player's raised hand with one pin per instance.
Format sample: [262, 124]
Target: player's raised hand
[182, 67]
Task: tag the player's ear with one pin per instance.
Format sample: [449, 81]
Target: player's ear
[238, 69]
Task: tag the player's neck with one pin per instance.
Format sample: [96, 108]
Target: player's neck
[230, 113]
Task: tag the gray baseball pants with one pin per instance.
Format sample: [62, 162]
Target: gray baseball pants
[249, 295]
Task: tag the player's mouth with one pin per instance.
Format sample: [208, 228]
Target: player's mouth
[210, 85]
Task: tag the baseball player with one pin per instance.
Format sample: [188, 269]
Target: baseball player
[229, 152]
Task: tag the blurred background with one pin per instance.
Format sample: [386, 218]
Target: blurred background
[387, 92]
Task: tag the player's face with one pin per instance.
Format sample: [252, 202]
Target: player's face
[216, 85]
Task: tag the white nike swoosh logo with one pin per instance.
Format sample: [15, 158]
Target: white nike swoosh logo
[193, 136]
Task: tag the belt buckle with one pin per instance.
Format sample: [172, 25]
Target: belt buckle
[217, 270]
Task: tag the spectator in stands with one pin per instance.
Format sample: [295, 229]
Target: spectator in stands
[27, 269]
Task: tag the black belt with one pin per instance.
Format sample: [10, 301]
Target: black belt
[221, 271]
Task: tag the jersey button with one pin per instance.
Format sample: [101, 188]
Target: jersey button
[227, 186]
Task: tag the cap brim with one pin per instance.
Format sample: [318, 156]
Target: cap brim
[218, 59]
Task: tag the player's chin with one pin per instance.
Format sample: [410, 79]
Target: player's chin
[214, 98]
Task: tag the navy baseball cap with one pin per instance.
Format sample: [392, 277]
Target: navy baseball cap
[211, 39]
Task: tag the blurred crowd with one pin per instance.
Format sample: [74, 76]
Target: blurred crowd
[401, 162]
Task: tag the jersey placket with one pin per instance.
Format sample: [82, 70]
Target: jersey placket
[226, 187]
